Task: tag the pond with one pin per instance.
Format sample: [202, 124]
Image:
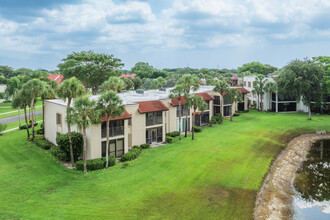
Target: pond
[311, 199]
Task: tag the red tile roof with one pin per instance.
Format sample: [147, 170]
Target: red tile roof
[129, 75]
[151, 106]
[57, 78]
[205, 96]
[175, 102]
[125, 115]
[197, 113]
[243, 90]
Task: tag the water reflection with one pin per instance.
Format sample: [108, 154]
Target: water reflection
[312, 184]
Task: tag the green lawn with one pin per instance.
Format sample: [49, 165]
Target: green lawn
[214, 177]
[6, 107]
[16, 123]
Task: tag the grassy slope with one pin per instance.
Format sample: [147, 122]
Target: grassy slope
[214, 177]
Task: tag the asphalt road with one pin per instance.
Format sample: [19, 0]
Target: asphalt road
[16, 118]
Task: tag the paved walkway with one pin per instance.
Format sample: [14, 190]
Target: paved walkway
[15, 110]
[16, 118]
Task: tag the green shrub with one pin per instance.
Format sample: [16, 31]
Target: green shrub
[173, 134]
[40, 131]
[218, 118]
[236, 114]
[77, 143]
[112, 160]
[197, 128]
[2, 128]
[245, 111]
[213, 121]
[58, 153]
[169, 139]
[95, 164]
[42, 143]
[131, 155]
[30, 125]
[136, 146]
[145, 146]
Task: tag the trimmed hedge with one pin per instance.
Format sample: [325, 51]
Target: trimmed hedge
[40, 131]
[58, 153]
[145, 146]
[131, 155]
[173, 134]
[42, 143]
[77, 143]
[96, 164]
[30, 125]
[197, 128]
[236, 114]
[169, 139]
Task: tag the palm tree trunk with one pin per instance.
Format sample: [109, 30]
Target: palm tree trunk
[85, 149]
[231, 112]
[32, 122]
[69, 134]
[180, 119]
[270, 102]
[19, 117]
[107, 143]
[186, 127]
[258, 103]
[27, 124]
[193, 122]
[43, 112]
[262, 103]
[309, 112]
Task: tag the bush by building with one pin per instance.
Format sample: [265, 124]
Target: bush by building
[77, 143]
[131, 155]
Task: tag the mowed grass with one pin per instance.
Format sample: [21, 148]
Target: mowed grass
[6, 107]
[215, 176]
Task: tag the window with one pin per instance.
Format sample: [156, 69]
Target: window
[216, 100]
[207, 105]
[154, 118]
[249, 84]
[116, 128]
[116, 147]
[244, 83]
[58, 119]
[154, 135]
[226, 100]
[129, 121]
[184, 110]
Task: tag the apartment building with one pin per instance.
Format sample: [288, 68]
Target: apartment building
[148, 116]
[273, 102]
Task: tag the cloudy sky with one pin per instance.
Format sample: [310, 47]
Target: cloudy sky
[165, 33]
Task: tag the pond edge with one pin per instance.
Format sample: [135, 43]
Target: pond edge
[274, 199]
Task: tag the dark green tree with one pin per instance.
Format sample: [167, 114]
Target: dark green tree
[302, 79]
[92, 69]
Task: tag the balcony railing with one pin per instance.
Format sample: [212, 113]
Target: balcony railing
[154, 121]
[114, 131]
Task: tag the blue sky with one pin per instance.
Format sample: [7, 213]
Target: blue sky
[164, 33]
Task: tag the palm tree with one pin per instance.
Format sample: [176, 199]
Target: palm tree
[113, 83]
[13, 86]
[36, 88]
[109, 105]
[260, 84]
[22, 100]
[83, 115]
[221, 87]
[189, 82]
[233, 96]
[68, 90]
[177, 93]
[270, 87]
[48, 94]
[196, 102]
